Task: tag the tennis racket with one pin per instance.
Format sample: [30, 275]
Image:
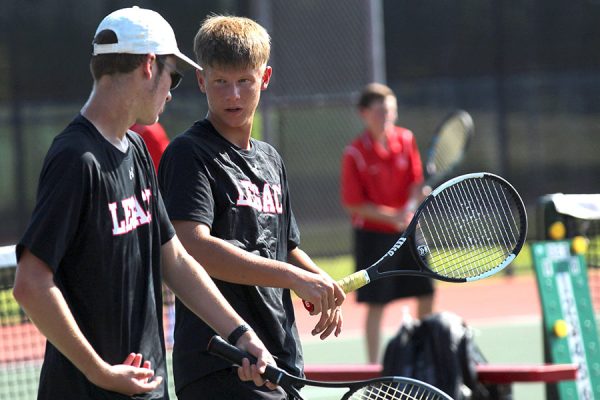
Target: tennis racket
[468, 228]
[448, 146]
[389, 388]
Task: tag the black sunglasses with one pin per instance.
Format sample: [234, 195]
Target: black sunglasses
[176, 76]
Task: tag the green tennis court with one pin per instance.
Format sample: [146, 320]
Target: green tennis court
[502, 342]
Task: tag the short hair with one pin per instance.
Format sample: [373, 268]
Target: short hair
[115, 63]
[229, 41]
[372, 93]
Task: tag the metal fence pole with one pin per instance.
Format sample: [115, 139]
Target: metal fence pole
[376, 63]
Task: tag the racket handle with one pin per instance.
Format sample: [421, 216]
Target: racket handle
[219, 347]
[308, 305]
[348, 284]
[355, 281]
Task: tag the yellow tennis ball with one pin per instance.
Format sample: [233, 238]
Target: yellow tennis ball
[561, 328]
[579, 245]
[557, 231]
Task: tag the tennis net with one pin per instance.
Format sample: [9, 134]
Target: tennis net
[22, 346]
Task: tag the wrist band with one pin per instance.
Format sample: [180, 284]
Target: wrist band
[237, 333]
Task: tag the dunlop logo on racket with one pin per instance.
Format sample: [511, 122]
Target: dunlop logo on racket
[469, 228]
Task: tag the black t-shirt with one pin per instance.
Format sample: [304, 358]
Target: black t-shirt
[243, 196]
[99, 223]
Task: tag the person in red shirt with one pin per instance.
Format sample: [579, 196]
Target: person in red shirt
[155, 138]
[381, 171]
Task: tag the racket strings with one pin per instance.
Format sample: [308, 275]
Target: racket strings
[469, 229]
[505, 221]
[492, 255]
[480, 257]
[477, 259]
[395, 391]
[449, 146]
[454, 241]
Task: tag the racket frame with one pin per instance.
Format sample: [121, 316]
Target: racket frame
[467, 122]
[363, 277]
[406, 238]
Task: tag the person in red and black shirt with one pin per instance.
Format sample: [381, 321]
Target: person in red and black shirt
[381, 171]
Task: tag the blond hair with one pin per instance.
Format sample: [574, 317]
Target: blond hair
[374, 92]
[229, 41]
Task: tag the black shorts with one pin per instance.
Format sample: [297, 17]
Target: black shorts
[369, 246]
[225, 384]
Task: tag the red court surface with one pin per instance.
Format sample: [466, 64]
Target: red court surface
[493, 299]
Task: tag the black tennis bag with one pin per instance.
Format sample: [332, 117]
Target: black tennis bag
[440, 350]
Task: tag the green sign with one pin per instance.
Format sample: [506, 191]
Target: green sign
[569, 324]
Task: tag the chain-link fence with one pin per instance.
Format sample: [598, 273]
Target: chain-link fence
[309, 112]
[528, 73]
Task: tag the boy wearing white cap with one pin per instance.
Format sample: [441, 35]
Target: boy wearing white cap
[99, 244]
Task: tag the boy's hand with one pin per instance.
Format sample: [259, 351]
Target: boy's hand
[334, 321]
[327, 297]
[129, 378]
[250, 343]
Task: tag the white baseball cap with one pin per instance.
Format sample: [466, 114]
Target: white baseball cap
[140, 31]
